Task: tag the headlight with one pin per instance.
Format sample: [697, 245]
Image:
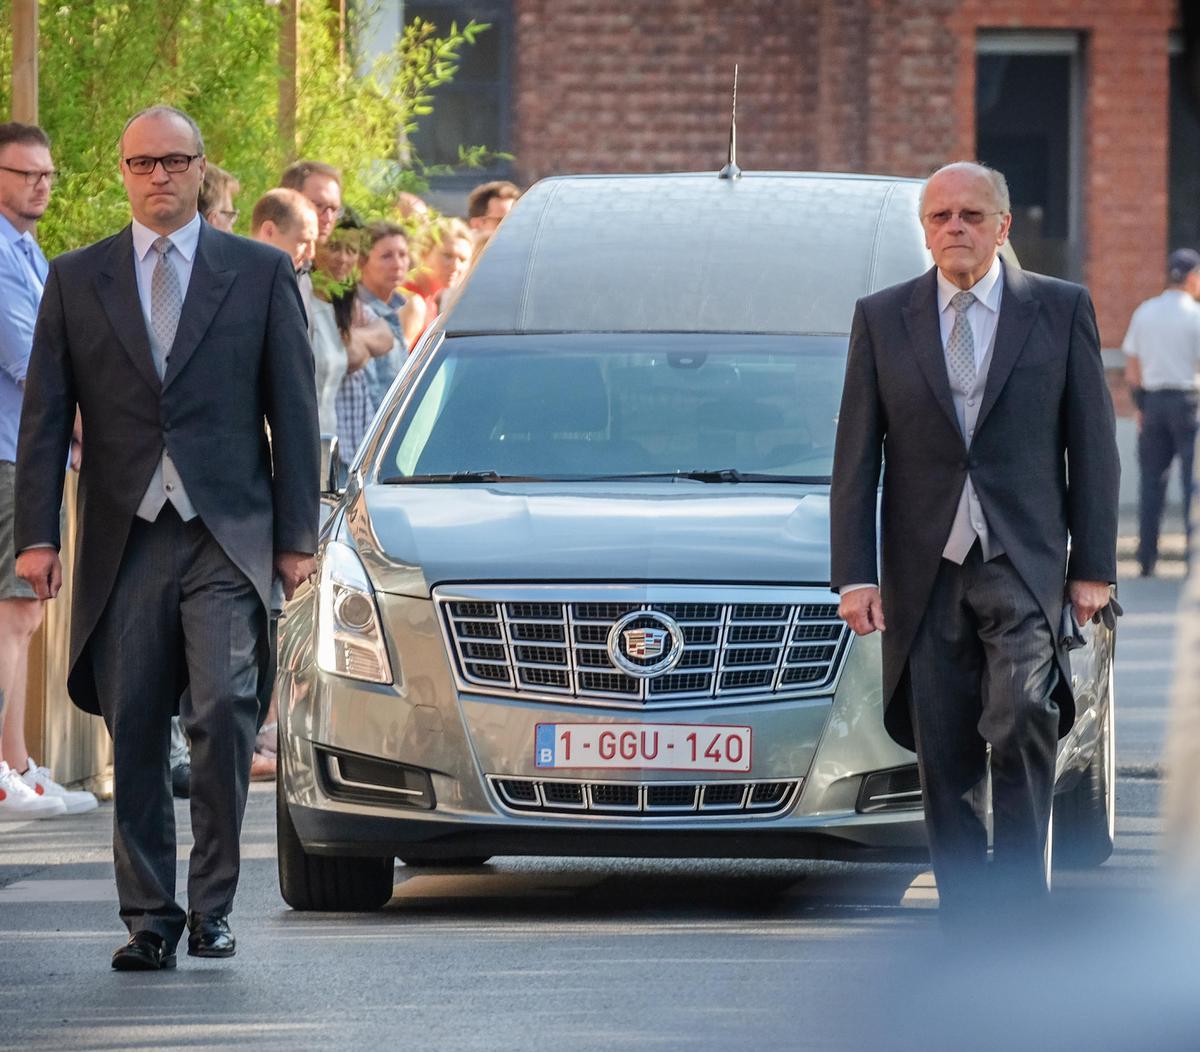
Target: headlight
[349, 636]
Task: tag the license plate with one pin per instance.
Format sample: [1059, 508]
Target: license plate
[653, 746]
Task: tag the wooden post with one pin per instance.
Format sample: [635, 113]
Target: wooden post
[339, 10]
[289, 61]
[25, 61]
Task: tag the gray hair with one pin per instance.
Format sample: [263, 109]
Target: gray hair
[999, 183]
[166, 111]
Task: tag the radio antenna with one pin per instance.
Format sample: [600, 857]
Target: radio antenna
[731, 169]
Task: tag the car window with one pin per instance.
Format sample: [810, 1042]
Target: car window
[586, 410]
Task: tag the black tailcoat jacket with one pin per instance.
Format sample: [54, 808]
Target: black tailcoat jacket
[241, 356]
[1043, 459]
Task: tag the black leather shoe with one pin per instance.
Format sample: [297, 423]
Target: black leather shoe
[209, 935]
[144, 952]
[181, 780]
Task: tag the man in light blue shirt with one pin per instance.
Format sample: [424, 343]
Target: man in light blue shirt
[26, 176]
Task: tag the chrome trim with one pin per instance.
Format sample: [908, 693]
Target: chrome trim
[643, 811]
[335, 774]
[559, 674]
[912, 794]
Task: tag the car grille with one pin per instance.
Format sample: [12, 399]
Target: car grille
[561, 648]
[662, 799]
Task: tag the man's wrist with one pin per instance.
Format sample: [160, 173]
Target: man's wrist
[846, 588]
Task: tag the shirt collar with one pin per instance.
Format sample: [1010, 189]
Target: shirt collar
[394, 302]
[184, 239]
[11, 234]
[986, 289]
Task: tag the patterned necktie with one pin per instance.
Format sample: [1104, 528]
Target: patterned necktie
[960, 348]
[166, 301]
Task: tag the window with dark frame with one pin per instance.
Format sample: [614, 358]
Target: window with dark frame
[1183, 194]
[475, 108]
[1027, 125]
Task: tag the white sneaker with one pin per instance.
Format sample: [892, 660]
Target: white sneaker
[18, 802]
[76, 800]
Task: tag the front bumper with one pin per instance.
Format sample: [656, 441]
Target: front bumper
[457, 740]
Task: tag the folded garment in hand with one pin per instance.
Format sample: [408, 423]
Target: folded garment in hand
[1070, 636]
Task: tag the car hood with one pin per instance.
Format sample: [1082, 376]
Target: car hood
[413, 537]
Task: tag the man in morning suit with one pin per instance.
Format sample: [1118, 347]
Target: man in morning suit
[177, 342]
[979, 389]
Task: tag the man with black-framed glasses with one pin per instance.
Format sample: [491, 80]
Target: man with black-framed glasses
[181, 345]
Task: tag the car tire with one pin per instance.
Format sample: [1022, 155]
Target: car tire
[323, 882]
[1085, 816]
[462, 861]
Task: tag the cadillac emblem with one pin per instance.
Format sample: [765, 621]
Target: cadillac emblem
[645, 643]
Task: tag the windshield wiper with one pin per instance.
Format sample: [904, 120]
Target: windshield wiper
[713, 475]
[460, 476]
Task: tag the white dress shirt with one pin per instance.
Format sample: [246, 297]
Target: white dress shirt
[983, 316]
[165, 484]
[1164, 334]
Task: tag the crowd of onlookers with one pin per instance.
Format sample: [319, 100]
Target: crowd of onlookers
[371, 286]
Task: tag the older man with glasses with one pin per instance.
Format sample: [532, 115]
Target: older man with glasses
[978, 391]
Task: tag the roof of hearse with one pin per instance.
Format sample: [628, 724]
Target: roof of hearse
[770, 252]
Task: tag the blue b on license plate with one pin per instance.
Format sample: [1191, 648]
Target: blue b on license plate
[655, 746]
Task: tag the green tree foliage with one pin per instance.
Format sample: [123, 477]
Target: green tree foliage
[103, 60]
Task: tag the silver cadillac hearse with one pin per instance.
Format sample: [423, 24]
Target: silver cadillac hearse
[574, 599]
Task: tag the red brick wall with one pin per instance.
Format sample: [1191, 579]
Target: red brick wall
[1125, 136]
[644, 85]
[845, 85]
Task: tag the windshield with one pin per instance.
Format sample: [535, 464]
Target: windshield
[603, 405]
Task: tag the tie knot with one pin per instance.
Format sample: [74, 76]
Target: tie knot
[162, 245]
[960, 301]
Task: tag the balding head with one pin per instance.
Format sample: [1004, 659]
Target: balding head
[995, 179]
[165, 113]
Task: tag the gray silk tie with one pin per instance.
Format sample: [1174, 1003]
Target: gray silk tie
[166, 302]
[960, 348]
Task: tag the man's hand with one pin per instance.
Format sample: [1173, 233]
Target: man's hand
[1086, 598]
[293, 569]
[42, 570]
[862, 610]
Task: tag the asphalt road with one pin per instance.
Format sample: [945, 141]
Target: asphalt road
[599, 954]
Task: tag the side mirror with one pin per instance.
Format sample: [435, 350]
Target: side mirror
[330, 467]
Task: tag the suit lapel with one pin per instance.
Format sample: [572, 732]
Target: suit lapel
[925, 336]
[206, 291]
[116, 284]
[1018, 309]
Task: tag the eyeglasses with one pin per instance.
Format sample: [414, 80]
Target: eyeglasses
[970, 216]
[172, 162]
[229, 213]
[32, 178]
[329, 210]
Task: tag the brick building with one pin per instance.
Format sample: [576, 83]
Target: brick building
[1080, 102]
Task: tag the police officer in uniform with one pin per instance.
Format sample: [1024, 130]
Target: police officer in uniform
[1162, 348]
